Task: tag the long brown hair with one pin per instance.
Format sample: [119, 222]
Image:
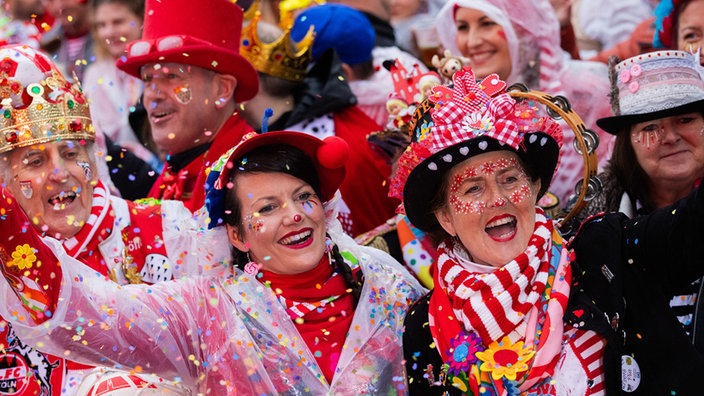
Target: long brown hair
[624, 166]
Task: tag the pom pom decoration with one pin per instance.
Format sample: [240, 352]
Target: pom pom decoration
[334, 153]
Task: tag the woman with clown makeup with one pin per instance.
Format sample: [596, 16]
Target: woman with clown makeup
[509, 312]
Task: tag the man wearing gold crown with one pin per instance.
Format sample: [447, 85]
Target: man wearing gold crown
[49, 164]
[193, 76]
[317, 100]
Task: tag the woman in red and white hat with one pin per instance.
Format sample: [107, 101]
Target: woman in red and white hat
[496, 318]
[520, 42]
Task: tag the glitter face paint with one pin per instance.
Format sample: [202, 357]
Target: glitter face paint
[270, 203]
[255, 223]
[489, 184]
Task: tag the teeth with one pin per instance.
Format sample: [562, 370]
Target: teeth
[296, 238]
[59, 200]
[499, 222]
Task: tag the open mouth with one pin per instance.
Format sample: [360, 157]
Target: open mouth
[502, 229]
[160, 116]
[297, 239]
[62, 199]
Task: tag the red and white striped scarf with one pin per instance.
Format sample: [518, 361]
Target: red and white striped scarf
[506, 301]
[495, 304]
[95, 230]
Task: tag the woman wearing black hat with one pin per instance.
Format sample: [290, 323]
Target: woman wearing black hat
[308, 311]
[494, 320]
[658, 158]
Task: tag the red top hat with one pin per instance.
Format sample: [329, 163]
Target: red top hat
[203, 33]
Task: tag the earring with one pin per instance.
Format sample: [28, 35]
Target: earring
[251, 267]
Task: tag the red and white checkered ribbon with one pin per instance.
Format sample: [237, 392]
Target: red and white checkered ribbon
[473, 110]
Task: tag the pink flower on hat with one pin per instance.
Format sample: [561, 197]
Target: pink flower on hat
[478, 123]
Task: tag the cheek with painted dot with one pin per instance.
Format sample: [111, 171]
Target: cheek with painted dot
[308, 205]
[501, 34]
[467, 207]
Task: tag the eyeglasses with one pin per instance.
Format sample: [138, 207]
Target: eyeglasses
[144, 47]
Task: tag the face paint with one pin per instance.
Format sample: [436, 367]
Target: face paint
[255, 223]
[489, 185]
[26, 188]
[86, 169]
[183, 94]
[308, 205]
[502, 34]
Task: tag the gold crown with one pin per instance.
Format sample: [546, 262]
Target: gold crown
[51, 109]
[287, 9]
[281, 58]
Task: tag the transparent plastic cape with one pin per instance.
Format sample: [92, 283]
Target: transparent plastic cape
[224, 334]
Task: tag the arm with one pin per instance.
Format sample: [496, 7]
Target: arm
[664, 247]
[59, 304]
[193, 248]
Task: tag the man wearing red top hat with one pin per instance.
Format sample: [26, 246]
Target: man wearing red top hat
[193, 74]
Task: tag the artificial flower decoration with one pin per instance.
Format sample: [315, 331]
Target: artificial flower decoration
[23, 257]
[461, 354]
[504, 359]
[477, 122]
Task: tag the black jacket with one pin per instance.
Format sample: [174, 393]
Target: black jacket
[624, 273]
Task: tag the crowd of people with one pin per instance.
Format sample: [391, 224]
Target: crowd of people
[360, 197]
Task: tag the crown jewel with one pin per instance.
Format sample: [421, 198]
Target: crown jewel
[281, 58]
[38, 104]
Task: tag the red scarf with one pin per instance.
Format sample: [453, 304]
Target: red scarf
[498, 303]
[321, 306]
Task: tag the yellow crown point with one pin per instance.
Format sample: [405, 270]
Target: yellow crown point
[281, 58]
[287, 8]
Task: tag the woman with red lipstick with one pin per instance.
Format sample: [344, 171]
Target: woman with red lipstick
[308, 311]
[495, 323]
[520, 41]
